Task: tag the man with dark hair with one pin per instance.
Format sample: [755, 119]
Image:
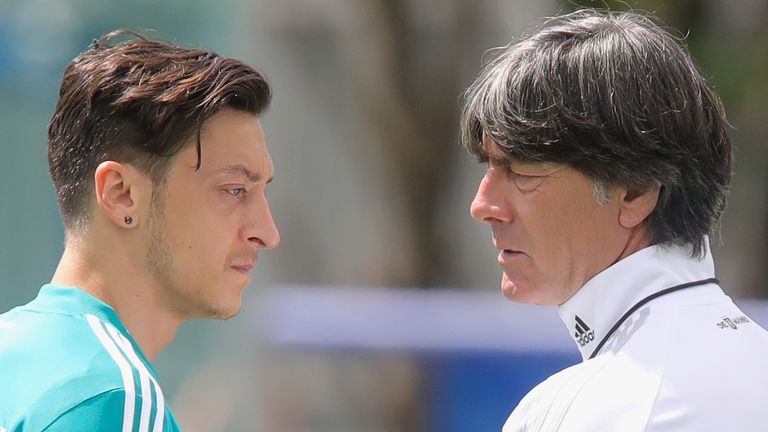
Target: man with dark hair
[160, 167]
[608, 163]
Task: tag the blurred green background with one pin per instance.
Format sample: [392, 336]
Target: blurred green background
[371, 185]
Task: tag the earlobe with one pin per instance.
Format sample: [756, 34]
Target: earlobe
[116, 193]
[637, 206]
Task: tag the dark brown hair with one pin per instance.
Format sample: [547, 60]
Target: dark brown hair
[618, 98]
[139, 101]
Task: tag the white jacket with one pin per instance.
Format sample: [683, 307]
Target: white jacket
[686, 359]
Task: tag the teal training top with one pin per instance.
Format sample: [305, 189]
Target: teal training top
[67, 363]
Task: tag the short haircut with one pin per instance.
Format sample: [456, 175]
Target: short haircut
[618, 98]
[139, 102]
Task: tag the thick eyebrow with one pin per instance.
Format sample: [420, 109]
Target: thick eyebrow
[240, 169]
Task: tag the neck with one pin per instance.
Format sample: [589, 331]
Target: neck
[637, 240]
[115, 278]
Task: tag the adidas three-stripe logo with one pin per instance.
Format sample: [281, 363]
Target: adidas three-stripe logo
[122, 352]
[583, 334]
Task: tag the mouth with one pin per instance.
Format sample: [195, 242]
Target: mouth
[507, 256]
[510, 252]
[502, 246]
[504, 250]
[243, 268]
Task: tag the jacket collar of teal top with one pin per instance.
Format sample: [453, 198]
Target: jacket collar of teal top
[73, 301]
[600, 303]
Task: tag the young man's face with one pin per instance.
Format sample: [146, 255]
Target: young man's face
[551, 232]
[207, 225]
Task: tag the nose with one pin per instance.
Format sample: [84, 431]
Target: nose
[261, 230]
[489, 205]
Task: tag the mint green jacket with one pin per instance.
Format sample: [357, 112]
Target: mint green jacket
[67, 363]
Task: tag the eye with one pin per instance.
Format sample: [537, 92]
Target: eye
[526, 182]
[523, 178]
[236, 192]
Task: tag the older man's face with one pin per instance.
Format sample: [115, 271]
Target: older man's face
[551, 232]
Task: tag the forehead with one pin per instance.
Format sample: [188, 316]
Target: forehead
[230, 138]
[494, 152]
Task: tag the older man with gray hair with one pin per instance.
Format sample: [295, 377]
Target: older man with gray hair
[608, 164]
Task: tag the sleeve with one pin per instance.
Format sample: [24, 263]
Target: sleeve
[101, 413]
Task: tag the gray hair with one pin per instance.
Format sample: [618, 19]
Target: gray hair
[618, 98]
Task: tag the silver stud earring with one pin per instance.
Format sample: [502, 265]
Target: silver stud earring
[128, 220]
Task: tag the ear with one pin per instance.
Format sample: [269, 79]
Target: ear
[120, 192]
[636, 206]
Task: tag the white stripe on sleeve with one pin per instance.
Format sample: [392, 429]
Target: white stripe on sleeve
[146, 393]
[125, 371]
[127, 347]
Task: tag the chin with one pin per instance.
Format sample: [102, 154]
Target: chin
[227, 302]
[222, 310]
[225, 315]
[513, 292]
[222, 313]
[524, 293]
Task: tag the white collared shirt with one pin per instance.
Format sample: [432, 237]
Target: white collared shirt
[687, 360]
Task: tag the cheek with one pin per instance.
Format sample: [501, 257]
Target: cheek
[201, 228]
[193, 235]
[208, 240]
[550, 221]
[562, 229]
[592, 230]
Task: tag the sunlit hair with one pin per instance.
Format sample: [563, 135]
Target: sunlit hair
[618, 98]
[139, 102]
